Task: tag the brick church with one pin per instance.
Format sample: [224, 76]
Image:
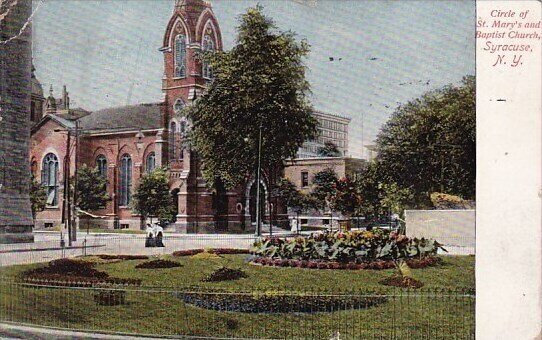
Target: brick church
[126, 142]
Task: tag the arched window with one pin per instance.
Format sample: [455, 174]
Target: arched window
[172, 144]
[101, 165]
[49, 178]
[182, 127]
[178, 106]
[125, 186]
[207, 46]
[180, 56]
[150, 163]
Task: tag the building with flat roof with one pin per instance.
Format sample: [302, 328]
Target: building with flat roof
[331, 128]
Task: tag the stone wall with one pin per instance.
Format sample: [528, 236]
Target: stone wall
[453, 228]
[15, 87]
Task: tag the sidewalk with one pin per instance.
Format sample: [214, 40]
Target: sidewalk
[10, 331]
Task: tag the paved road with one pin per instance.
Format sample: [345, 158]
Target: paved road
[47, 246]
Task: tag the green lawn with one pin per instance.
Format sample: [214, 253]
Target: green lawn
[457, 271]
[152, 311]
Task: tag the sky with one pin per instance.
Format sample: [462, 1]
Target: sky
[384, 52]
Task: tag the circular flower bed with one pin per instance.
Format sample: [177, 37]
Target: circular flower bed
[377, 249]
[251, 303]
[158, 264]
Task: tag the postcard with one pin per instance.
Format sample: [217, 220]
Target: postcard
[270, 169]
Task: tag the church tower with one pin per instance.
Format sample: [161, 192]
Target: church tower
[192, 29]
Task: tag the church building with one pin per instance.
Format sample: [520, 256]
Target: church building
[126, 142]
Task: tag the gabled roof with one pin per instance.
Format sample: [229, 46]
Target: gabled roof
[65, 123]
[131, 117]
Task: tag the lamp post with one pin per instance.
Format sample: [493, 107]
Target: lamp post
[258, 231]
[258, 178]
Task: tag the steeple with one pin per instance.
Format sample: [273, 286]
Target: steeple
[50, 104]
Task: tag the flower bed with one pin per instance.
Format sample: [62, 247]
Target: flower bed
[377, 249]
[276, 303]
[158, 264]
[122, 257]
[216, 251]
[314, 264]
[225, 274]
[72, 273]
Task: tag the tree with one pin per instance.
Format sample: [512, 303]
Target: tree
[329, 150]
[152, 197]
[369, 186]
[258, 86]
[395, 199]
[346, 197]
[429, 144]
[324, 186]
[38, 197]
[292, 197]
[91, 189]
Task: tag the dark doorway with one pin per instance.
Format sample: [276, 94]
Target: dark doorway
[175, 197]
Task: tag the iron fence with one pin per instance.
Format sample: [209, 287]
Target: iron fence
[204, 313]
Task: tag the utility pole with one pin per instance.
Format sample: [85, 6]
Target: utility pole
[258, 177]
[67, 194]
[76, 179]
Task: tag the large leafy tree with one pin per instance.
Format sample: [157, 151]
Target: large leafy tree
[152, 197]
[429, 144]
[346, 197]
[324, 186]
[91, 189]
[258, 86]
[291, 197]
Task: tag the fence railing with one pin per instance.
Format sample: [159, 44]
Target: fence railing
[392, 314]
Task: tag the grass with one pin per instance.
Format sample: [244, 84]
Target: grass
[454, 272]
[160, 312]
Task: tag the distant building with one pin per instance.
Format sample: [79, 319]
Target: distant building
[301, 172]
[371, 152]
[331, 128]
